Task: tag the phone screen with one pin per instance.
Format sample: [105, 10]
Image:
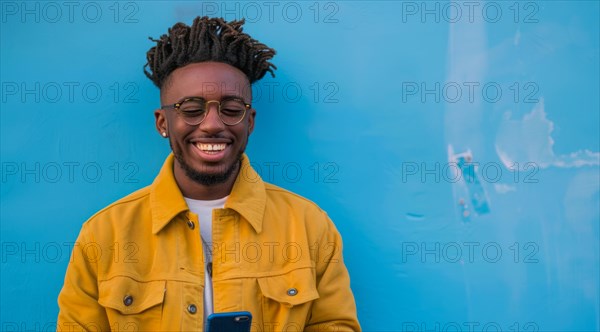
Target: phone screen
[239, 321]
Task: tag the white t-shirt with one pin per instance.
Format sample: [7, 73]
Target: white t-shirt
[204, 211]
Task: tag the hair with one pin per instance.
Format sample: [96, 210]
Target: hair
[208, 39]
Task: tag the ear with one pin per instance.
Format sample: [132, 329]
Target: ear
[251, 116]
[161, 122]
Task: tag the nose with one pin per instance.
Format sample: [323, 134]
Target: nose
[212, 123]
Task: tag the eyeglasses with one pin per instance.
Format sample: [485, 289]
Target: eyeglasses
[194, 110]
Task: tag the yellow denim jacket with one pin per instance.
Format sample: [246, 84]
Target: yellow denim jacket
[138, 264]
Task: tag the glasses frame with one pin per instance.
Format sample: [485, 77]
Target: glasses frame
[178, 104]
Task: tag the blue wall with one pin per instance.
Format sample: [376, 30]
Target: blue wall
[455, 145]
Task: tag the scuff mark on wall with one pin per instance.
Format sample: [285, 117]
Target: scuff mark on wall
[502, 188]
[529, 140]
[469, 191]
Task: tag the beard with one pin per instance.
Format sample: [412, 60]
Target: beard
[207, 179]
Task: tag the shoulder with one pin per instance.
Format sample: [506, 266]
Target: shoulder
[296, 209]
[279, 195]
[129, 208]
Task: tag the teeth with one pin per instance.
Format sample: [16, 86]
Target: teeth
[211, 147]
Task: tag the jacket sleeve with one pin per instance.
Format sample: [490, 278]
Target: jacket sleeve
[79, 309]
[335, 309]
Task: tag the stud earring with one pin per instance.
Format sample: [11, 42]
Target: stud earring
[164, 134]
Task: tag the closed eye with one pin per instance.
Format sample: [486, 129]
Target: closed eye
[192, 111]
[231, 112]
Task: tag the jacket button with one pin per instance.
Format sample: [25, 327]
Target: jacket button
[192, 309]
[292, 291]
[128, 300]
[190, 224]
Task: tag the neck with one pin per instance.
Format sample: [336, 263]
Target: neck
[192, 189]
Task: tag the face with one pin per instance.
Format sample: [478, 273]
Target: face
[208, 153]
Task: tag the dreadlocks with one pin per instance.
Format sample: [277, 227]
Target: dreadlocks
[208, 39]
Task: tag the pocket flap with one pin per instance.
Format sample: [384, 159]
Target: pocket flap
[292, 288]
[130, 296]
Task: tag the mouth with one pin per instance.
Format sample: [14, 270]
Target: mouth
[211, 152]
[211, 148]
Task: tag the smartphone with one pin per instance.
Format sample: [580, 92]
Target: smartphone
[238, 321]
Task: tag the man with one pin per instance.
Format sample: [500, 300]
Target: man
[208, 235]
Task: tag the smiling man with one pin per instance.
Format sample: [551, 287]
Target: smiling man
[208, 146]
[208, 235]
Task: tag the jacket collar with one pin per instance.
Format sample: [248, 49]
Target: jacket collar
[248, 196]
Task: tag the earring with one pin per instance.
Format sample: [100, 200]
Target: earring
[164, 134]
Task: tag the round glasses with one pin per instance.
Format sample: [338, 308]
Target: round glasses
[194, 110]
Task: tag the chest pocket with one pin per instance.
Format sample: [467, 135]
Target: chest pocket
[131, 304]
[287, 297]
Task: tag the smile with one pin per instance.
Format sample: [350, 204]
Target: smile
[211, 148]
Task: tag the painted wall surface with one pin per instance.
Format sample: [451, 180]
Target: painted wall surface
[454, 144]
